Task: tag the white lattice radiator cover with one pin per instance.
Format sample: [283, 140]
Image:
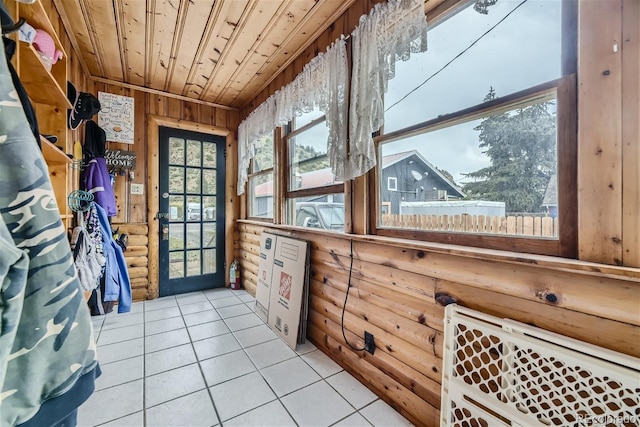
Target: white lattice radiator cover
[498, 372]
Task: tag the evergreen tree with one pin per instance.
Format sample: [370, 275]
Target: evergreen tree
[522, 147]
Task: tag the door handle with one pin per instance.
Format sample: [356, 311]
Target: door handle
[164, 232]
[162, 215]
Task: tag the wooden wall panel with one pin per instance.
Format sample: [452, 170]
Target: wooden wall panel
[631, 132]
[599, 132]
[393, 295]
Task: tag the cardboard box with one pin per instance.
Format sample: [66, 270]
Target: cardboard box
[265, 269]
[289, 279]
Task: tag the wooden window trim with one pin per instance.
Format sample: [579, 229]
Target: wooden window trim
[567, 242]
[271, 170]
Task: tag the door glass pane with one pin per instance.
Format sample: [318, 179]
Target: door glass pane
[176, 208]
[176, 265]
[176, 151]
[193, 263]
[209, 182]
[194, 154]
[209, 208]
[193, 180]
[176, 179]
[209, 160]
[209, 235]
[209, 261]
[176, 236]
[193, 236]
[194, 211]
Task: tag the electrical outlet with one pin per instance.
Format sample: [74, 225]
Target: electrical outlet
[369, 343]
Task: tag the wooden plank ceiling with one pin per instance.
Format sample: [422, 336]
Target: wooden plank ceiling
[220, 51]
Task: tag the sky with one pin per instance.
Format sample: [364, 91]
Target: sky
[521, 52]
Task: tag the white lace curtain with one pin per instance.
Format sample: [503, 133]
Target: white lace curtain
[321, 85]
[391, 32]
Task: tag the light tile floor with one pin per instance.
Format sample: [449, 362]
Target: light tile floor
[206, 359]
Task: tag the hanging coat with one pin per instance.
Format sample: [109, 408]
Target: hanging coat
[98, 182]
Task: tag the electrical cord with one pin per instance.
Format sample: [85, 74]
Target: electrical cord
[455, 57]
[344, 306]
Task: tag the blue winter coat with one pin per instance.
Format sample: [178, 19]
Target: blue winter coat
[117, 285]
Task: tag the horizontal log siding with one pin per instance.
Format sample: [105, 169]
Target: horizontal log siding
[393, 297]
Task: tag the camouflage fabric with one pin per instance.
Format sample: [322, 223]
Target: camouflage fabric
[47, 339]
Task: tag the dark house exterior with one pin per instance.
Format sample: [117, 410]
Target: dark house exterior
[406, 177]
[409, 177]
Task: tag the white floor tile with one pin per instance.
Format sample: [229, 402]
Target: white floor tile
[240, 395]
[133, 420]
[218, 293]
[191, 298]
[201, 317]
[351, 389]
[234, 310]
[270, 353]
[160, 303]
[271, 414]
[289, 376]
[306, 348]
[137, 307]
[251, 306]
[165, 313]
[382, 415]
[170, 358]
[114, 320]
[216, 346]
[194, 409]
[172, 384]
[195, 308]
[208, 330]
[255, 335]
[120, 372]
[111, 403]
[355, 420]
[246, 298]
[317, 405]
[121, 350]
[166, 340]
[225, 302]
[321, 363]
[226, 367]
[121, 334]
[243, 322]
[164, 325]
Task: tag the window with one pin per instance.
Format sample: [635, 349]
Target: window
[392, 183]
[261, 194]
[313, 197]
[479, 132]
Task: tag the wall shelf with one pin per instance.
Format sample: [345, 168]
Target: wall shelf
[52, 154]
[40, 84]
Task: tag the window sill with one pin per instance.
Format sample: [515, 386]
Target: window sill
[490, 255]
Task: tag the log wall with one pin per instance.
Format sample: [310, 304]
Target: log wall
[395, 284]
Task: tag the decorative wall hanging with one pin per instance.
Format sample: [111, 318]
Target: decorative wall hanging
[116, 117]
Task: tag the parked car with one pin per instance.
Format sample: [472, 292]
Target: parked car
[327, 215]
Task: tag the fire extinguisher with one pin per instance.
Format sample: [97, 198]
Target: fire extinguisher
[234, 275]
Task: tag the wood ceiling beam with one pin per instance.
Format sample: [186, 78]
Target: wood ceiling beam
[312, 38]
[149, 30]
[258, 42]
[122, 40]
[177, 40]
[237, 32]
[161, 92]
[204, 42]
[72, 36]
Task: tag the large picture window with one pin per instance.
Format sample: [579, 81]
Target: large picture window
[313, 197]
[480, 131]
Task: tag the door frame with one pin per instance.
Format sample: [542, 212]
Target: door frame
[232, 202]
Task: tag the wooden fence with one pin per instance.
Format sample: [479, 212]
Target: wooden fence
[513, 225]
